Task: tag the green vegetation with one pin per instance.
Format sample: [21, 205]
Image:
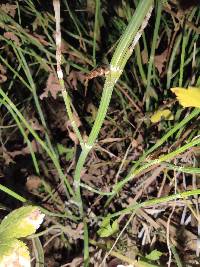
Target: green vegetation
[92, 134]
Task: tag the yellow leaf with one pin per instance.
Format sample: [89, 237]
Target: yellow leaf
[159, 114]
[14, 252]
[188, 97]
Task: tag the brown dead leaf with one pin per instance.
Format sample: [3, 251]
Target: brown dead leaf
[144, 56]
[160, 60]
[74, 77]
[73, 137]
[35, 125]
[11, 36]
[3, 78]
[134, 143]
[76, 120]
[90, 178]
[52, 87]
[41, 39]
[68, 126]
[33, 182]
[76, 262]
[35, 148]
[7, 158]
[64, 47]
[9, 9]
[74, 233]
[2, 69]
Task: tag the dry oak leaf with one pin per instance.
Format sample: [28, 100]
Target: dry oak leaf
[7, 158]
[10, 155]
[35, 125]
[74, 77]
[52, 87]
[11, 36]
[160, 60]
[33, 182]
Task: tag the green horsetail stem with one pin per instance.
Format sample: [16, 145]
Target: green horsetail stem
[119, 59]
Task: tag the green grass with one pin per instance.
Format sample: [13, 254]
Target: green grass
[147, 91]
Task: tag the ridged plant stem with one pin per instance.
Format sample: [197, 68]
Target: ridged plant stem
[119, 59]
